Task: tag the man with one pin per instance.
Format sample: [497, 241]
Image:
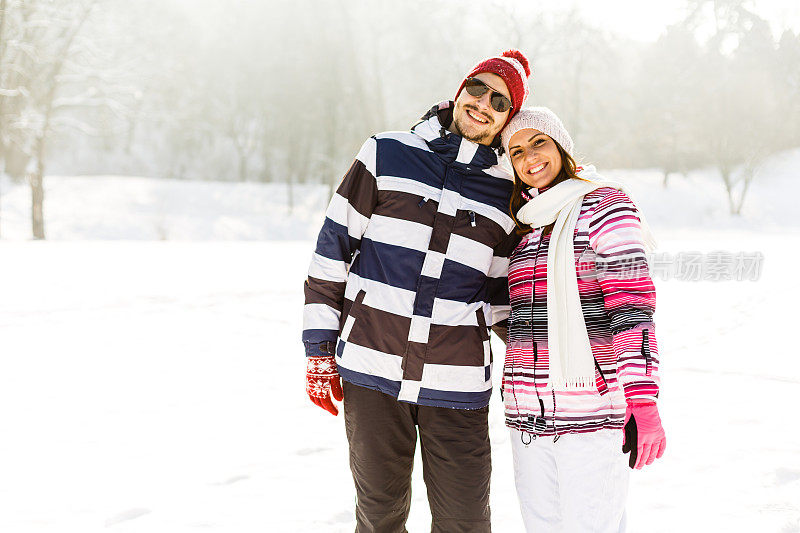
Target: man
[409, 272]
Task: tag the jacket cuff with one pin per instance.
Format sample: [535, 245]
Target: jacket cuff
[640, 391]
[634, 402]
[320, 349]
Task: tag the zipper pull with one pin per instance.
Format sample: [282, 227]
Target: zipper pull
[472, 218]
[423, 202]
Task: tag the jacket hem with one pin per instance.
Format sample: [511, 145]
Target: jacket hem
[567, 428]
[392, 388]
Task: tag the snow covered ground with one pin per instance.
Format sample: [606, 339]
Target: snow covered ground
[153, 386]
[136, 208]
[158, 386]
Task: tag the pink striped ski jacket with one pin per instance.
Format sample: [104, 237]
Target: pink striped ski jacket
[618, 301]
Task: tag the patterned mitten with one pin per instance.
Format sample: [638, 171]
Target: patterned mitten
[322, 380]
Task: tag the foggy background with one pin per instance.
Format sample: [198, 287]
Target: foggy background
[286, 92]
[164, 171]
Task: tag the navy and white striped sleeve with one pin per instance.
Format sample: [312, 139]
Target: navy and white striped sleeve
[346, 221]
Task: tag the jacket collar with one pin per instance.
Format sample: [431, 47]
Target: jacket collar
[450, 146]
[530, 193]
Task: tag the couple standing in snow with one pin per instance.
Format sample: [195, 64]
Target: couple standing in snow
[428, 243]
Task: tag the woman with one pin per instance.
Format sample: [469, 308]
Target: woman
[581, 360]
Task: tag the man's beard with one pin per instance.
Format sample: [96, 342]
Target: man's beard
[479, 137]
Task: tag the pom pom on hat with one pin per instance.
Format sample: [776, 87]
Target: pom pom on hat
[516, 54]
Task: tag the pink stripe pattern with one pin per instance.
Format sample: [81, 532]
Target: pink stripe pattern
[618, 302]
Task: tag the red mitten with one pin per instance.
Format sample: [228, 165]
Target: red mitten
[322, 381]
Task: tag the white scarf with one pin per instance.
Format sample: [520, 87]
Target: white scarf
[570, 354]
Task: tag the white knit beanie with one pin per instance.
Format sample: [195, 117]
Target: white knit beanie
[538, 118]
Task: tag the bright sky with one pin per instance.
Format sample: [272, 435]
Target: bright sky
[645, 20]
[642, 20]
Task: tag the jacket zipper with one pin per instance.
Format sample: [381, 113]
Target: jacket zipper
[472, 218]
[646, 352]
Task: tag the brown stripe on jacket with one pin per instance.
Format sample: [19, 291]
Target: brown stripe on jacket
[360, 188]
[406, 206]
[507, 245]
[379, 330]
[485, 231]
[320, 291]
[414, 361]
[440, 236]
[456, 345]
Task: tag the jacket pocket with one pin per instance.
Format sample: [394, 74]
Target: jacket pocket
[352, 315]
[484, 335]
[600, 379]
[646, 352]
[482, 324]
[478, 227]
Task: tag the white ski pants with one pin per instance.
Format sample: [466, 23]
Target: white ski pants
[578, 484]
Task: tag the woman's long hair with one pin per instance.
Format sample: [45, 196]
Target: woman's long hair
[568, 170]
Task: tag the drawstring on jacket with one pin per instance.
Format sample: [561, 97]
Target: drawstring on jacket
[537, 427]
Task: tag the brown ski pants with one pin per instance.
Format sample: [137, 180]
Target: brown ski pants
[456, 462]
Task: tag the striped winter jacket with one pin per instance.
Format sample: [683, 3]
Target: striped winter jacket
[411, 266]
[618, 301]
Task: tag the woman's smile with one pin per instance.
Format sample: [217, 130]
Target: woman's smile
[535, 170]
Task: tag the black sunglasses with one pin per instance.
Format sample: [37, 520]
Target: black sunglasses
[477, 88]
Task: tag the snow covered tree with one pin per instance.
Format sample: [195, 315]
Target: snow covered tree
[787, 72]
[736, 112]
[49, 71]
[663, 120]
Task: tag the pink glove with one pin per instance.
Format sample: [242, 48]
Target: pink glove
[644, 436]
[322, 381]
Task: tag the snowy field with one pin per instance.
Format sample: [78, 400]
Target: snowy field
[136, 208]
[159, 386]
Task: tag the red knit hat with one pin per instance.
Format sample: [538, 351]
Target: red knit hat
[513, 67]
